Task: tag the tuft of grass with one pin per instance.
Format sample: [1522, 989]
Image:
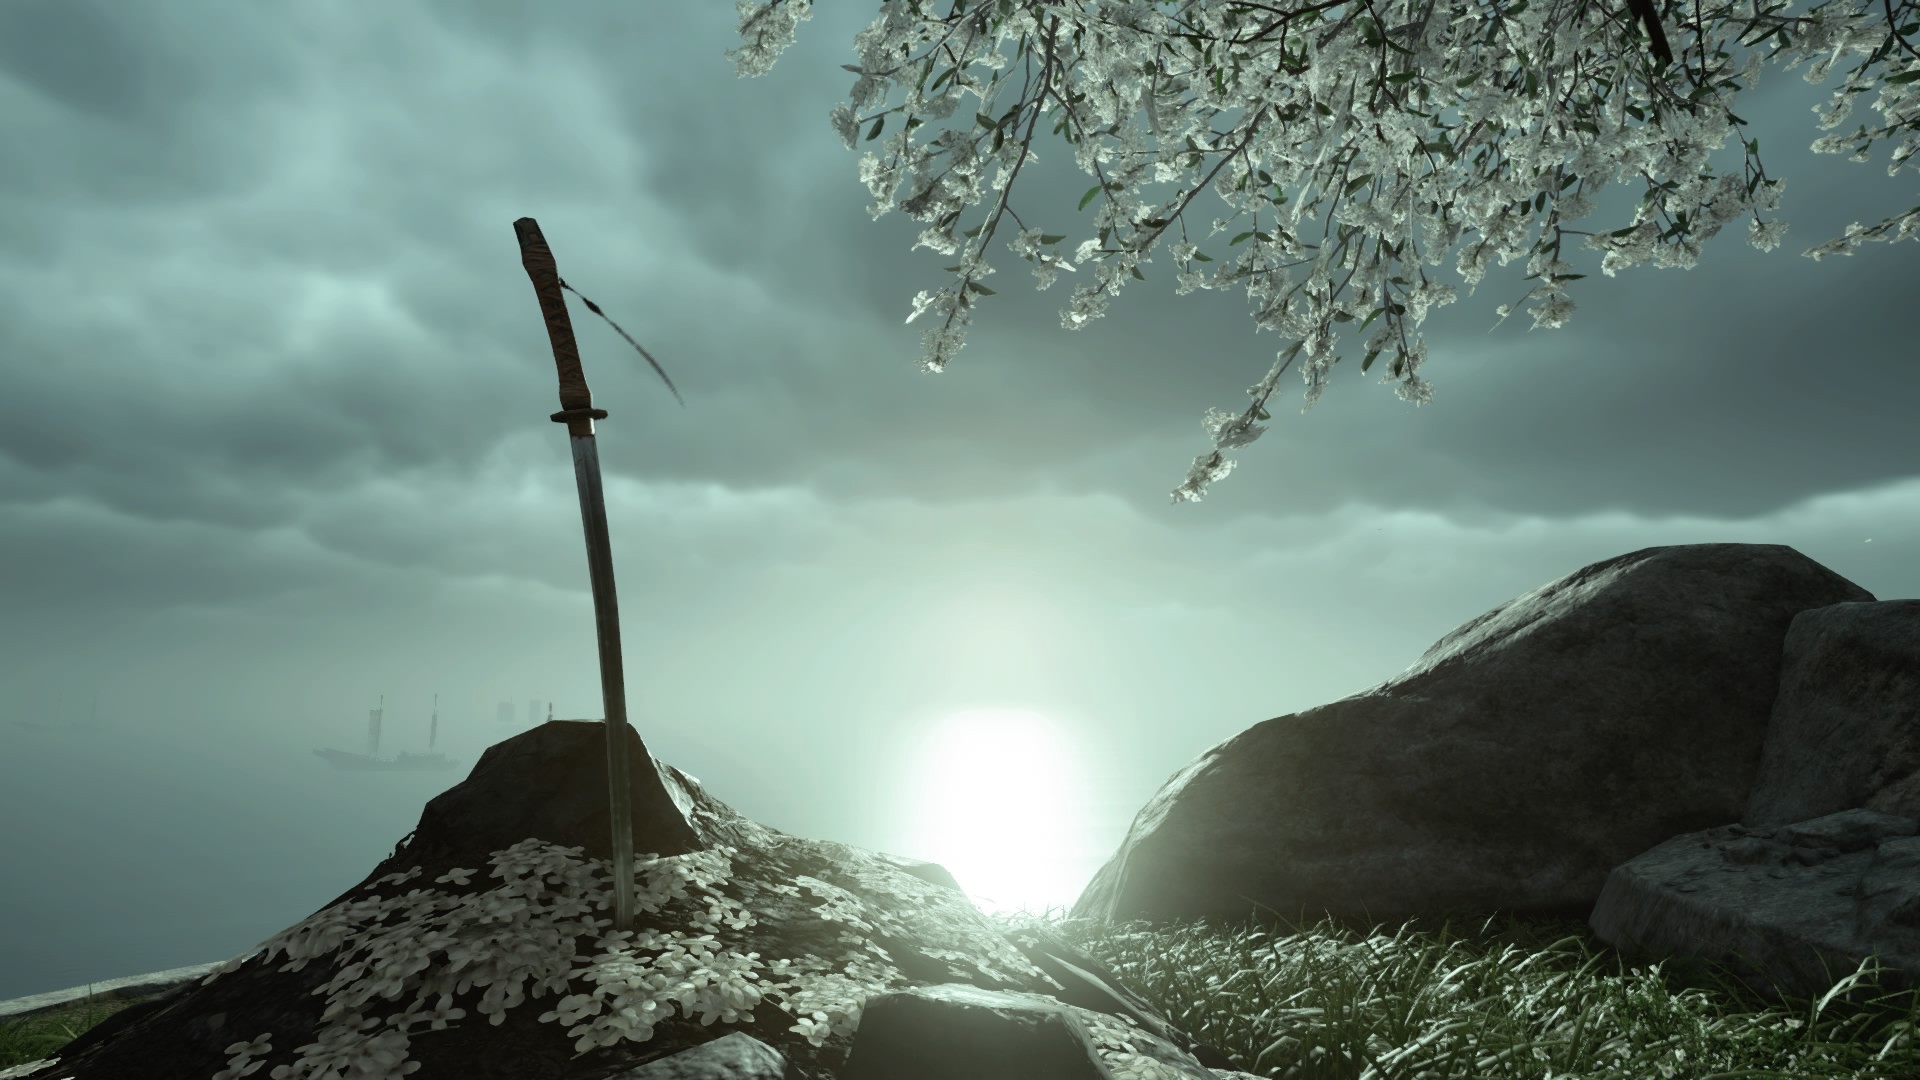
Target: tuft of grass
[40, 1035]
[1503, 999]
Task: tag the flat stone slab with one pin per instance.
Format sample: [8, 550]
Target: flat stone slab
[1798, 906]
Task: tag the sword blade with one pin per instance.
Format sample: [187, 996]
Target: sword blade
[578, 413]
[613, 685]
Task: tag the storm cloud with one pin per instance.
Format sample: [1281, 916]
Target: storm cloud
[274, 445]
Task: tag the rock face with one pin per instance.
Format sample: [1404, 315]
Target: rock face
[1846, 722]
[482, 948]
[1520, 760]
[1791, 910]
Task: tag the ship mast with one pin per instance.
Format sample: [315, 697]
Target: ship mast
[433, 732]
[373, 727]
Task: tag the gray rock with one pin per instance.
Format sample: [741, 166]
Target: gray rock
[1845, 730]
[961, 1032]
[755, 954]
[1085, 982]
[734, 1056]
[925, 871]
[1520, 760]
[1789, 911]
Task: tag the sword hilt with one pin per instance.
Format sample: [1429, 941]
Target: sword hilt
[538, 260]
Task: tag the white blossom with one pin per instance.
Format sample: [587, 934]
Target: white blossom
[1524, 119]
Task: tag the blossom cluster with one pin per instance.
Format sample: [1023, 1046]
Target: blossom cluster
[1420, 126]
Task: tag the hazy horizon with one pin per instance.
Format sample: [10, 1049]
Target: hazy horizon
[274, 446]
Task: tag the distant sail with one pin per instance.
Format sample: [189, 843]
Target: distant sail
[405, 761]
[373, 727]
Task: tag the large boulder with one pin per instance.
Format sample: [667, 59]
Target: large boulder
[1846, 723]
[1788, 911]
[1521, 759]
[481, 949]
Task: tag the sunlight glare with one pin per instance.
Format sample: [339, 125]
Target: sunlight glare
[998, 805]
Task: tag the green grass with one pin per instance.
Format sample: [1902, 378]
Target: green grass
[1499, 998]
[1489, 999]
[30, 1038]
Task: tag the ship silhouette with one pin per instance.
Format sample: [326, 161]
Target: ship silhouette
[405, 761]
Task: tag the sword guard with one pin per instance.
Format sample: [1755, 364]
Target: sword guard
[567, 416]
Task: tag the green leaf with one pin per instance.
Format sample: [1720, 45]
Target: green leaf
[999, 138]
[1138, 276]
[975, 231]
[1402, 76]
[985, 120]
[1539, 202]
[1753, 147]
[1341, 316]
[874, 131]
[951, 269]
[1201, 256]
[1903, 78]
[1261, 414]
[1357, 183]
[850, 67]
[1569, 277]
[1369, 319]
[979, 288]
[1239, 238]
[1088, 197]
[1052, 238]
[1368, 362]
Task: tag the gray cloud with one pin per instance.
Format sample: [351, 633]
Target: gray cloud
[274, 442]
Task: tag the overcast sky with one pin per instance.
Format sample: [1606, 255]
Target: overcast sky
[274, 444]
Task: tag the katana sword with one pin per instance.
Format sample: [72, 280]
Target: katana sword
[578, 413]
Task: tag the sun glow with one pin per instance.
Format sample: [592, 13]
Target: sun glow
[998, 802]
